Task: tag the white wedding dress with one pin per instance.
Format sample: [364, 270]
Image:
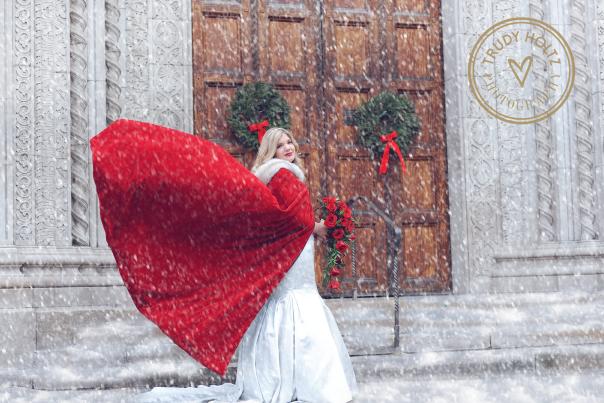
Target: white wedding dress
[292, 351]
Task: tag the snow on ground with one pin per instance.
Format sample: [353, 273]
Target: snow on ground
[519, 388]
[586, 387]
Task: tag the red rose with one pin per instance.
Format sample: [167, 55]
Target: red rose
[335, 272]
[329, 200]
[331, 206]
[350, 227]
[334, 284]
[338, 233]
[352, 237]
[342, 205]
[347, 213]
[341, 246]
[331, 221]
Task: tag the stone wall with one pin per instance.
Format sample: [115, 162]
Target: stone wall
[68, 67]
[527, 201]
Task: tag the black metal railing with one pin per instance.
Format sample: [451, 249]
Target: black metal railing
[393, 240]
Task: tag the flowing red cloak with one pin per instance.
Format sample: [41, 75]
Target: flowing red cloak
[199, 240]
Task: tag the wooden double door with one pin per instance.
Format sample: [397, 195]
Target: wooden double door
[326, 57]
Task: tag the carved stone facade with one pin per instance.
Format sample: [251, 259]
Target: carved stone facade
[527, 213]
[527, 202]
[66, 76]
[67, 68]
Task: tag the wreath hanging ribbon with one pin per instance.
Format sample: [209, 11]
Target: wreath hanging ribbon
[387, 112]
[254, 105]
[259, 127]
[389, 140]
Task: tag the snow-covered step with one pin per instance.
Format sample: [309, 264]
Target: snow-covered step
[170, 371]
[371, 329]
[480, 362]
[118, 347]
[137, 328]
[470, 315]
[468, 302]
[163, 371]
[158, 372]
[106, 354]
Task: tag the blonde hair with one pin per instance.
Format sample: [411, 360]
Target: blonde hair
[268, 147]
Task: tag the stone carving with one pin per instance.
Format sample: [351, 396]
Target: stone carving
[480, 160]
[544, 141]
[169, 93]
[583, 130]
[51, 124]
[600, 39]
[137, 69]
[481, 196]
[24, 122]
[61, 106]
[79, 123]
[112, 60]
[475, 19]
[512, 182]
[510, 141]
[156, 91]
[168, 10]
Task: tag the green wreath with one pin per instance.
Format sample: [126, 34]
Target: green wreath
[382, 114]
[253, 103]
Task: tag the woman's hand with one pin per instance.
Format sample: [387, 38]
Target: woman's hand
[320, 230]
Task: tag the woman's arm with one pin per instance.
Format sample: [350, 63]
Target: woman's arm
[320, 229]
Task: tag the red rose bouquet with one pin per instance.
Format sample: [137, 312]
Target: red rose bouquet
[340, 225]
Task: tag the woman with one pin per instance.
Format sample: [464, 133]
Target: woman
[221, 259]
[293, 349]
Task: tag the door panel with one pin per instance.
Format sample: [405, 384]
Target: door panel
[419, 199]
[222, 61]
[351, 75]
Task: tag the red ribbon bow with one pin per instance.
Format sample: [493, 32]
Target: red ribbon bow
[390, 143]
[259, 127]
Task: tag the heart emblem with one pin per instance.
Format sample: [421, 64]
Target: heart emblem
[520, 69]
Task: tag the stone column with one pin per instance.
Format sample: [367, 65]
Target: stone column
[527, 203]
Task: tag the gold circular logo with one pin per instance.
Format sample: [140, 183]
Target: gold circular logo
[521, 70]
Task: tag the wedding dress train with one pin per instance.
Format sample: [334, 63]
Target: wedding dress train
[292, 351]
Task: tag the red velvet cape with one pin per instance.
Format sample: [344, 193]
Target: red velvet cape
[199, 240]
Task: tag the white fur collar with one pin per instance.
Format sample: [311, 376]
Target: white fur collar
[269, 168]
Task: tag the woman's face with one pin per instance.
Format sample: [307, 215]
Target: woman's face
[285, 149]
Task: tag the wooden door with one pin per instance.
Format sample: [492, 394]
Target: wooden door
[222, 61]
[371, 46]
[274, 41]
[326, 57]
[420, 201]
[352, 74]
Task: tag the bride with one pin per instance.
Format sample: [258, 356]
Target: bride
[293, 349]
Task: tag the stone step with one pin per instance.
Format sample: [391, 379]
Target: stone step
[474, 301]
[138, 328]
[163, 371]
[433, 339]
[73, 362]
[480, 362]
[455, 316]
[166, 371]
[118, 347]
[430, 330]
[107, 354]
